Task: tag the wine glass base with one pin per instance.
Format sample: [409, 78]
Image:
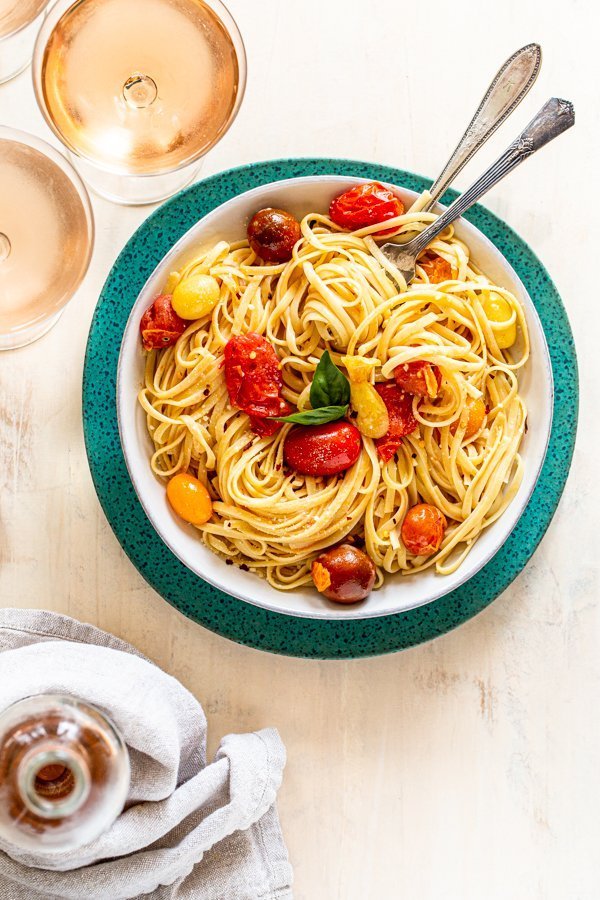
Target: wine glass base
[134, 190]
[12, 340]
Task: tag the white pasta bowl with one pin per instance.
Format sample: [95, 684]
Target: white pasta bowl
[399, 593]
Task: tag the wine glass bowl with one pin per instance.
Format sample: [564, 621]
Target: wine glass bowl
[139, 99]
[46, 220]
[19, 24]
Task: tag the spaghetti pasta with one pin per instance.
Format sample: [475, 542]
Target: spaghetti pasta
[339, 292]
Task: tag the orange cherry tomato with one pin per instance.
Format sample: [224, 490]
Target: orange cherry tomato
[437, 268]
[477, 413]
[189, 499]
[419, 377]
[423, 529]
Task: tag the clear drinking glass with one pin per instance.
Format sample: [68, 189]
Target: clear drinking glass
[64, 773]
[46, 236]
[139, 90]
[20, 22]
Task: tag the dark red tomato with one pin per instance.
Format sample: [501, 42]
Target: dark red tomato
[399, 406]
[269, 427]
[419, 377]
[437, 269]
[344, 574]
[253, 375]
[161, 326]
[322, 449]
[423, 529]
[272, 234]
[365, 204]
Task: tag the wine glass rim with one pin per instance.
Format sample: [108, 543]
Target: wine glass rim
[52, 18]
[42, 11]
[17, 136]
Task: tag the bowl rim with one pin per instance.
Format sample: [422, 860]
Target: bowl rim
[331, 611]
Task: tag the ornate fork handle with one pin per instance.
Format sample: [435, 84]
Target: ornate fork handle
[510, 84]
[552, 119]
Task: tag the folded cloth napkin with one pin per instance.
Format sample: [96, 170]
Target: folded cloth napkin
[189, 830]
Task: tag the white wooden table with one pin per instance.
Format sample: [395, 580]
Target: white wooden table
[465, 769]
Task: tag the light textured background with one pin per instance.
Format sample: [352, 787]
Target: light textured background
[464, 769]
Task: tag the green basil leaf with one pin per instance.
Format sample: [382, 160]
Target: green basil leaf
[315, 416]
[329, 387]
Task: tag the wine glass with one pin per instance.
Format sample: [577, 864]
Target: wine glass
[20, 21]
[139, 90]
[46, 236]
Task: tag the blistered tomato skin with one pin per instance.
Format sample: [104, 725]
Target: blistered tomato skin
[160, 325]
[476, 413]
[189, 499]
[344, 574]
[436, 268]
[322, 449]
[399, 405]
[423, 529]
[419, 377]
[272, 234]
[366, 204]
[253, 375]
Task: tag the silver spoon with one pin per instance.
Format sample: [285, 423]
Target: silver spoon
[510, 84]
[552, 119]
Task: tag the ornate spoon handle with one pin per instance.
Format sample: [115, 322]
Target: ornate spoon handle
[510, 85]
[552, 119]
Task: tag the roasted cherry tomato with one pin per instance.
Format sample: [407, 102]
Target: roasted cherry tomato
[437, 268]
[365, 204]
[253, 375]
[419, 377]
[161, 326]
[477, 411]
[272, 234]
[423, 529]
[269, 427]
[189, 498]
[344, 574]
[322, 449]
[402, 421]
[196, 296]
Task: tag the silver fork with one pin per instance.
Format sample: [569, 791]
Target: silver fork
[510, 84]
[553, 118]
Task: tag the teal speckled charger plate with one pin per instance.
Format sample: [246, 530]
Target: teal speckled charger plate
[233, 618]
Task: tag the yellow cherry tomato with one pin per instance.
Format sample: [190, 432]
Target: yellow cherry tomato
[500, 312]
[189, 499]
[196, 296]
[474, 413]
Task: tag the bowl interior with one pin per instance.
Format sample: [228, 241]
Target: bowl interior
[399, 593]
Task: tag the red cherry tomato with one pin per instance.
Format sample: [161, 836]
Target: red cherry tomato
[322, 449]
[365, 204]
[253, 375]
[402, 421]
[269, 427]
[419, 377]
[437, 269]
[423, 529]
[161, 326]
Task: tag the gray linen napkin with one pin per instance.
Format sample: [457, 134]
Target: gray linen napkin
[190, 830]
